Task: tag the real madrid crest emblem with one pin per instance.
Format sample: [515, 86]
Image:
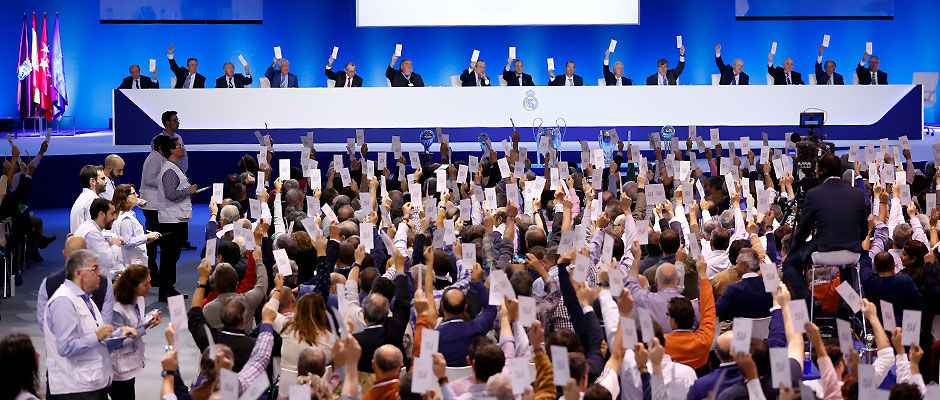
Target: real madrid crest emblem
[530, 103]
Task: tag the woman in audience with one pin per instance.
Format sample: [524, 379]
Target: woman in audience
[307, 327]
[127, 226]
[129, 289]
[19, 368]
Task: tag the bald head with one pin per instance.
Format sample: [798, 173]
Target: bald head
[667, 276]
[72, 244]
[738, 65]
[788, 65]
[387, 360]
[113, 166]
[723, 350]
[453, 302]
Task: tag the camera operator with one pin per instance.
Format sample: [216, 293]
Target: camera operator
[836, 216]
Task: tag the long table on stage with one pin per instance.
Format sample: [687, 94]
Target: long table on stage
[210, 116]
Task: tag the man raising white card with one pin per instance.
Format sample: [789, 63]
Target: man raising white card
[281, 77]
[346, 79]
[568, 79]
[404, 77]
[665, 76]
[784, 75]
[616, 77]
[230, 79]
[515, 76]
[138, 81]
[871, 75]
[475, 75]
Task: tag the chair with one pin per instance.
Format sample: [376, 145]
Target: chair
[455, 373]
[601, 82]
[264, 82]
[812, 79]
[330, 83]
[455, 81]
[929, 82]
[502, 82]
[821, 272]
[715, 79]
[172, 82]
[389, 82]
[854, 79]
[770, 80]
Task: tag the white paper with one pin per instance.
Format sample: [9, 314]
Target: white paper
[850, 297]
[228, 384]
[613, 45]
[211, 347]
[770, 276]
[430, 339]
[367, 235]
[825, 42]
[527, 310]
[741, 340]
[844, 328]
[616, 281]
[277, 52]
[519, 372]
[773, 48]
[490, 195]
[284, 168]
[714, 136]
[241, 59]
[561, 372]
[646, 324]
[887, 316]
[283, 263]
[779, 367]
[475, 56]
[868, 48]
[910, 328]
[328, 212]
[414, 159]
[178, 312]
[398, 50]
[512, 52]
[299, 392]
[335, 52]
[931, 202]
[153, 65]
[642, 232]
[798, 315]
[628, 331]
[679, 41]
[422, 379]
[210, 251]
[217, 189]
[551, 64]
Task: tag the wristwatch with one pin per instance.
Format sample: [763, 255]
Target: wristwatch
[442, 381]
[203, 286]
[168, 347]
[165, 373]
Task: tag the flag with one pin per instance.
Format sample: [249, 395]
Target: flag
[45, 79]
[23, 71]
[60, 98]
[34, 73]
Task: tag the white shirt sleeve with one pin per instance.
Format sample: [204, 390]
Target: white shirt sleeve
[754, 390]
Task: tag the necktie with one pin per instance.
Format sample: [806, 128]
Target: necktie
[189, 82]
[619, 81]
[91, 308]
[519, 77]
[137, 83]
[788, 79]
[663, 80]
[874, 78]
[230, 85]
[734, 80]
[570, 82]
[348, 81]
[830, 80]
[478, 80]
[283, 81]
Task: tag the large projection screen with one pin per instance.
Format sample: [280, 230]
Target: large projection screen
[496, 12]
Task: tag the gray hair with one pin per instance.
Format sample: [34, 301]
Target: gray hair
[499, 386]
[294, 197]
[229, 214]
[708, 227]
[228, 63]
[727, 219]
[748, 257]
[615, 64]
[77, 260]
[375, 308]
[902, 234]
[664, 278]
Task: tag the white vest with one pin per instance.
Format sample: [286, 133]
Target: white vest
[85, 372]
[131, 254]
[128, 361]
[171, 212]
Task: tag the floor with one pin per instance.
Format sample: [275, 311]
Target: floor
[18, 314]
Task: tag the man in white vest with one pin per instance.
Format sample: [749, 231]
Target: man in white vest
[78, 342]
[93, 183]
[108, 250]
[176, 209]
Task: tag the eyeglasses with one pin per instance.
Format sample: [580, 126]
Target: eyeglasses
[95, 268]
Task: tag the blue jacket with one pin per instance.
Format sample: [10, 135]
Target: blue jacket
[457, 334]
[274, 76]
[746, 299]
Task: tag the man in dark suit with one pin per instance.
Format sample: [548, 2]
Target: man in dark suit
[404, 77]
[568, 79]
[137, 81]
[186, 78]
[730, 74]
[455, 332]
[829, 76]
[664, 75]
[382, 329]
[836, 216]
[871, 75]
[784, 75]
[747, 297]
[281, 78]
[346, 79]
[515, 76]
[475, 75]
[616, 77]
[881, 283]
[231, 79]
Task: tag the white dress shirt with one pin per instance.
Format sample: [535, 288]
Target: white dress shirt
[108, 193]
[569, 80]
[79, 213]
[109, 257]
[662, 80]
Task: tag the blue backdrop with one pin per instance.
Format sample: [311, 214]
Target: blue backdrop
[97, 55]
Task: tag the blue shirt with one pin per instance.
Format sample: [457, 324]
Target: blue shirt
[107, 308]
[64, 324]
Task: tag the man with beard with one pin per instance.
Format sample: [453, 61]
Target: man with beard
[108, 251]
[93, 183]
[113, 169]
